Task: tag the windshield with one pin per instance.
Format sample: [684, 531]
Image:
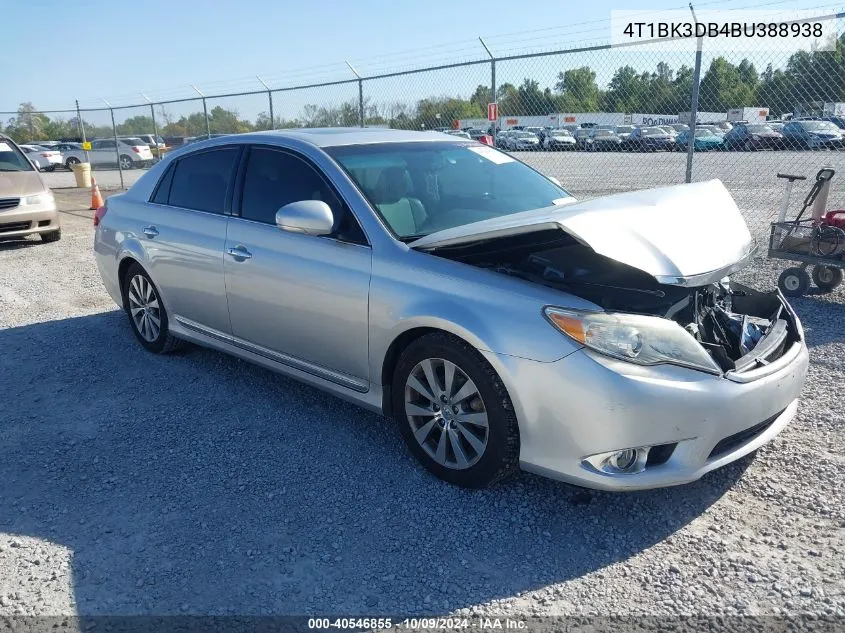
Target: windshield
[653, 131]
[624, 129]
[818, 125]
[523, 135]
[559, 133]
[703, 132]
[419, 188]
[11, 159]
[759, 129]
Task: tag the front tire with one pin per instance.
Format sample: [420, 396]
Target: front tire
[794, 282]
[52, 236]
[146, 312]
[454, 412]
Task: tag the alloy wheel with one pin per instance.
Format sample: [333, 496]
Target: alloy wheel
[144, 308]
[446, 413]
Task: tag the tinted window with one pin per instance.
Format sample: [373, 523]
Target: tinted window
[162, 191]
[200, 180]
[274, 179]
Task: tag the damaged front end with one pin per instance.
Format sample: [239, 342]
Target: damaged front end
[738, 327]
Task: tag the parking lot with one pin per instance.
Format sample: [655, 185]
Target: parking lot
[200, 484]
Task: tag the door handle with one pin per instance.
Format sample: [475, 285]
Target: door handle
[150, 231]
[239, 253]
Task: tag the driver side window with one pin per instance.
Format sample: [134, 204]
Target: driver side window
[274, 178]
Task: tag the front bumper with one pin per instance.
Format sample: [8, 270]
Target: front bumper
[585, 404]
[28, 220]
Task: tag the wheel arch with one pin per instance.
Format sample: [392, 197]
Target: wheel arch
[394, 351]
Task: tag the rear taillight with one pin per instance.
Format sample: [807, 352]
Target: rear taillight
[46, 154]
[99, 214]
[136, 149]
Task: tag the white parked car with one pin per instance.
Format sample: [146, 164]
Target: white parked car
[520, 140]
[558, 139]
[45, 159]
[130, 153]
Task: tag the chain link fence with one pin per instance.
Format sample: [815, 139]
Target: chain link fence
[624, 113]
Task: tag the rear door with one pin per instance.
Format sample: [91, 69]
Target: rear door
[298, 299]
[102, 152]
[183, 230]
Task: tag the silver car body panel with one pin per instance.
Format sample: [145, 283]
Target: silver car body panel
[333, 314]
[684, 235]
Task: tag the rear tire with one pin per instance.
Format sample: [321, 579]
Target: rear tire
[70, 162]
[126, 162]
[52, 236]
[827, 278]
[140, 294]
[455, 412]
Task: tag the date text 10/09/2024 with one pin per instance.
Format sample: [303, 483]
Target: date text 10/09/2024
[726, 29]
[418, 624]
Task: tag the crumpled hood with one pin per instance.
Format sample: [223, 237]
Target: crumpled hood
[682, 235]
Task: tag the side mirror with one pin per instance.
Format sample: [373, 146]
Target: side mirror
[311, 217]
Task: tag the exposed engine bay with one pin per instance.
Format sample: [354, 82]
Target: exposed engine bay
[741, 328]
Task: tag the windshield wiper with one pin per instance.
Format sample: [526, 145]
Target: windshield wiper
[410, 238]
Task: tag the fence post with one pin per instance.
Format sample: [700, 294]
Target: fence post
[116, 144]
[81, 125]
[205, 112]
[360, 95]
[696, 80]
[155, 127]
[270, 99]
[492, 86]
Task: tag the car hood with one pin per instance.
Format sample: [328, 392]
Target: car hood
[16, 184]
[685, 235]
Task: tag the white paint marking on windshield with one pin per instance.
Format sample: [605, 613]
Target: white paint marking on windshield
[500, 158]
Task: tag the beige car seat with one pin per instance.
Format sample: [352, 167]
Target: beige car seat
[405, 215]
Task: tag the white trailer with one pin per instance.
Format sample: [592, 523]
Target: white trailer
[834, 109]
[752, 115]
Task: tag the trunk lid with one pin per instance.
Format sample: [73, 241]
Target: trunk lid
[685, 235]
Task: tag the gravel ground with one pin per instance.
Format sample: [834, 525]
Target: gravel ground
[199, 484]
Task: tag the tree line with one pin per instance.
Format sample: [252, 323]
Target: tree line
[808, 80]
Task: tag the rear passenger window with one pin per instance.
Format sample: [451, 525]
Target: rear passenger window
[162, 191]
[200, 180]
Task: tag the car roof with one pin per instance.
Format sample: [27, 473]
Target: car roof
[335, 136]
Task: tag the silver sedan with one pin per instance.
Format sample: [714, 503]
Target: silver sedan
[441, 282]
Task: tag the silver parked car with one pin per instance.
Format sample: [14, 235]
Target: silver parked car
[450, 286]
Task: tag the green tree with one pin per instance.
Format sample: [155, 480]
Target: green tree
[578, 90]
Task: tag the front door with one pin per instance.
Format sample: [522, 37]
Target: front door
[301, 300]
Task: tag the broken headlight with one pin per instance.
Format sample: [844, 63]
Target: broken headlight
[636, 338]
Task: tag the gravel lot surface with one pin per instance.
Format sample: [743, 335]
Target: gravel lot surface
[199, 484]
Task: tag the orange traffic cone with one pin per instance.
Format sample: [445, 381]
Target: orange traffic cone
[96, 197]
